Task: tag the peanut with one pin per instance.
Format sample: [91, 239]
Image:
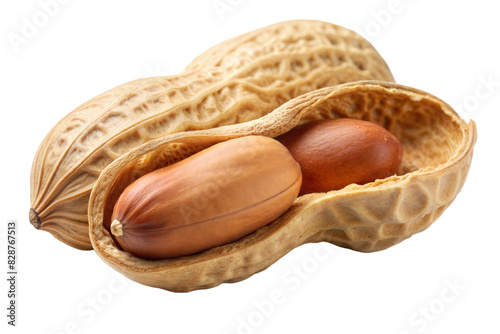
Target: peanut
[335, 153]
[212, 198]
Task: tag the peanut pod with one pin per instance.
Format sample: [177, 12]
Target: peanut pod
[437, 151]
[237, 81]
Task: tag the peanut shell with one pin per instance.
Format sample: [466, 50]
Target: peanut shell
[234, 82]
[437, 152]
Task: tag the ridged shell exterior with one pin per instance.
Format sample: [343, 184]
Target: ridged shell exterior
[234, 82]
[437, 152]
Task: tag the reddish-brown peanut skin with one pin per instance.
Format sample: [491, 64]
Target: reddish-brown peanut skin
[335, 153]
[212, 198]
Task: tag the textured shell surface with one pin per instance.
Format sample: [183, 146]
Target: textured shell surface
[236, 81]
[437, 152]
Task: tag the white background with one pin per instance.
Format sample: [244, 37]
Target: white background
[448, 48]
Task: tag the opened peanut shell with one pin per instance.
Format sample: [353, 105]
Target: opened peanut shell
[437, 151]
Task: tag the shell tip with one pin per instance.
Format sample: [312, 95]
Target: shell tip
[116, 228]
[35, 219]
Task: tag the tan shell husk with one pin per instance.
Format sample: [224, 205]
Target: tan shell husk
[437, 151]
[236, 81]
